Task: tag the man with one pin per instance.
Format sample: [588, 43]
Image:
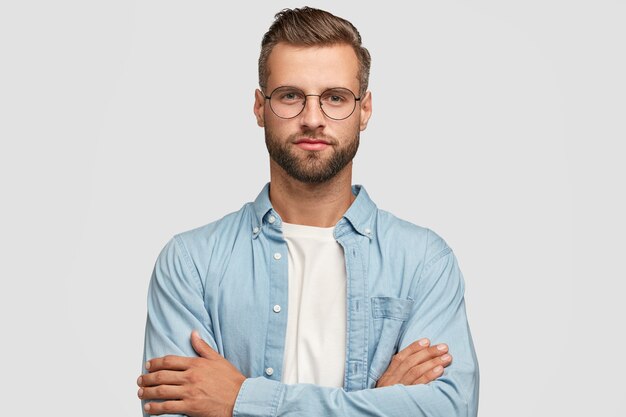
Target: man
[310, 301]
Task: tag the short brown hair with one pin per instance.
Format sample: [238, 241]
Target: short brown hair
[313, 27]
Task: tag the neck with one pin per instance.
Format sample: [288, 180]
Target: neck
[320, 205]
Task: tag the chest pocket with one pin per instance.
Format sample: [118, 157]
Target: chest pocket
[389, 315]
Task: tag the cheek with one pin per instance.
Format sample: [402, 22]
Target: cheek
[279, 130]
[350, 128]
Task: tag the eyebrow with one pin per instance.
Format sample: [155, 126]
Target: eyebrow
[321, 90]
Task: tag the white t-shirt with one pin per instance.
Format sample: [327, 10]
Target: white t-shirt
[315, 345]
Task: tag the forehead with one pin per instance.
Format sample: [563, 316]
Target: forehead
[313, 67]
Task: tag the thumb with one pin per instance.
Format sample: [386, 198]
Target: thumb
[200, 346]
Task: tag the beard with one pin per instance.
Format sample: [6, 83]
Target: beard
[312, 168]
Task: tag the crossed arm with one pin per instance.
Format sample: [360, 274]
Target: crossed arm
[207, 386]
[413, 383]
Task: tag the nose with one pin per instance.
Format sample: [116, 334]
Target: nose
[312, 116]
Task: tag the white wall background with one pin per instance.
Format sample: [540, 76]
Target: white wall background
[498, 124]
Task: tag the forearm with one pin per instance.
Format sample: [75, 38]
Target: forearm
[260, 397]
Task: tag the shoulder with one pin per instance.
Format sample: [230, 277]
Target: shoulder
[207, 234]
[197, 246]
[405, 235]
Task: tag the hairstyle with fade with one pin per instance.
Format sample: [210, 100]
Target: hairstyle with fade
[313, 27]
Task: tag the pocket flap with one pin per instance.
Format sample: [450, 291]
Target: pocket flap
[391, 308]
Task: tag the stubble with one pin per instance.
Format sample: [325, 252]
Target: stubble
[312, 167]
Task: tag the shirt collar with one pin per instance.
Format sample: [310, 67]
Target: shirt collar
[359, 215]
[262, 204]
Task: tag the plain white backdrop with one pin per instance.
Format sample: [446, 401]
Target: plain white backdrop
[500, 125]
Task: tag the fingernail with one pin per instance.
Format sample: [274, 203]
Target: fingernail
[438, 369]
[423, 342]
[140, 392]
[147, 365]
[147, 407]
[442, 347]
[446, 357]
[139, 381]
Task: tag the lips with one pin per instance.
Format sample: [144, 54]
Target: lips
[312, 144]
[312, 141]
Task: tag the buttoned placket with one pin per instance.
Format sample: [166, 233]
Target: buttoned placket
[355, 248]
[354, 239]
[278, 295]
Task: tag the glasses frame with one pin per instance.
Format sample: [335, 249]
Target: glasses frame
[311, 95]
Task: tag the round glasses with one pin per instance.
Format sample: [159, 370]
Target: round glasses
[336, 103]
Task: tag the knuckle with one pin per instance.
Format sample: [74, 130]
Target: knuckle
[187, 376]
[192, 378]
[396, 359]
[168, 361]
[159, 391]
[414, 372]
[415, 346]
[433, 351]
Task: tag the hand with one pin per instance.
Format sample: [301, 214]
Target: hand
[198, 387]
[416, 364]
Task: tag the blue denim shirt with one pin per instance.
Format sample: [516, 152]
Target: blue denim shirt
[403, 284]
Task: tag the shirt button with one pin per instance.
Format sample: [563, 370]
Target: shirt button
[255, 230]
[276, 308]
[271, 219]
[368, 231]
[277, 256]
[269, 371]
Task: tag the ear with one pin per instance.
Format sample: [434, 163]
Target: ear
[366, 109]
[259, 107]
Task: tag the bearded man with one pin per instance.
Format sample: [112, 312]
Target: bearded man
[309, 301]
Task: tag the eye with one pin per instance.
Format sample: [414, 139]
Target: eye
[336, 97]
[289, 96]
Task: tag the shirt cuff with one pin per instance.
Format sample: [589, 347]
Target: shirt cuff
[258, 397]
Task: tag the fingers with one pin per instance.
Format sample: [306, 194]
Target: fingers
[427, 371]
[413, 348]
[162, 392]
[166, 407]
[170, 362]
[201, 347]
[418, 358]
[416, 364]
[401, 356]
[162, 378]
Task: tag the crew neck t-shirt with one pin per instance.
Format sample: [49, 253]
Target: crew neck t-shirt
[315, 342]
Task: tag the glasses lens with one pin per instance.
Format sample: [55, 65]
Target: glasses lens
[287, 102]
[338, 103]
